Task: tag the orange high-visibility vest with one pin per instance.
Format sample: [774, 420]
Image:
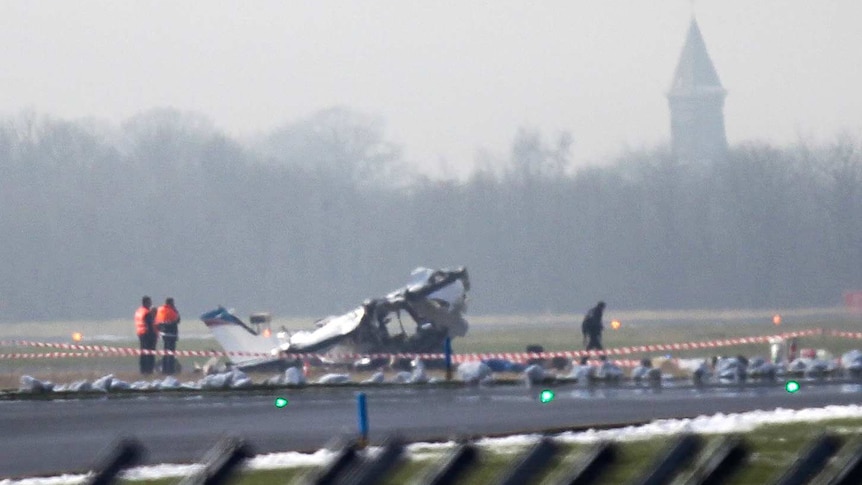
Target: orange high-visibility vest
[166, 314]
[141, 320]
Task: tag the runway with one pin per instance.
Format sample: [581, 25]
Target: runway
[49, 437]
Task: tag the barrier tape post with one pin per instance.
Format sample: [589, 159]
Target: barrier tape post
[362, 417]
[447, 347]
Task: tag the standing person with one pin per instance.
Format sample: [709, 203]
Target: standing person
[592, 327]
[167, 321]
[147, 335]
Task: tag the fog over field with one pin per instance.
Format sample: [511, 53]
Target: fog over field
[302, 157]
[166, 205]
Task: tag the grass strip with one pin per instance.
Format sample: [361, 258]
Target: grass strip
[773, 449]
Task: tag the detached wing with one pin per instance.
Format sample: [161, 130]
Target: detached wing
[236, 336]
[329, 333]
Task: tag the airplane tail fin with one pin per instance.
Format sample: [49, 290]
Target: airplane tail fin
[235, 336]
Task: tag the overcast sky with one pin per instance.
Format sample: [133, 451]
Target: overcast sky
[447, 77]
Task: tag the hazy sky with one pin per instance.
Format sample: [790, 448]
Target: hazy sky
[447, 77]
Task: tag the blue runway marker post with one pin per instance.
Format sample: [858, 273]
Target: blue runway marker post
[447, 350]
[362, 415]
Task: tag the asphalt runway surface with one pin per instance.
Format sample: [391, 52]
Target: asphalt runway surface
[49, 437]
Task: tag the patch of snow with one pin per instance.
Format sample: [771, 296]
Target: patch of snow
[140, 385]
[514, 443]
[290, 459]
[760, 368]
[732, 369]
[487, 380]
[103, 384]
[402, 377]
[799, 365]
[424, 451]
[639, 372]
[646, 373]
[35, 386]
[118, 385]
[156, 472]
[215, 381]
[170, 382]
[819, 368]
[851, 357]
[80, 386]
[473, 372]
[333, 378]
[58, 480]
[236, 375]
[242, 383]
[377, 378]
[609, 372]
[715, 424]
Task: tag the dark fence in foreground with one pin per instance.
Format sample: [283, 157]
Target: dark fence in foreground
[686, 460]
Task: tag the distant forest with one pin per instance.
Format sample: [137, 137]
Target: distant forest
[322, 213]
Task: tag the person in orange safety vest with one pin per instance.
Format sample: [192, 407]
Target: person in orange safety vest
[167, 322]
[147, 335]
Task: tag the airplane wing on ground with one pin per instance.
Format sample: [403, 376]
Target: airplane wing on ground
[330, 332]
[236, 336]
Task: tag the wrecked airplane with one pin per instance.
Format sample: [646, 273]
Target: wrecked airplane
[433, 300]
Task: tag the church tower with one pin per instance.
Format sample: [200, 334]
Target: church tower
[696, 100]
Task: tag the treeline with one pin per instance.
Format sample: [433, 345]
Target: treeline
[322, 213]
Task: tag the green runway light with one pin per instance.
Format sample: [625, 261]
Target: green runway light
[280, 402]
[791, 386]
[546, 396]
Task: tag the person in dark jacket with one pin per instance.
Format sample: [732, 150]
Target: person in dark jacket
[147, 335]
[592, 327]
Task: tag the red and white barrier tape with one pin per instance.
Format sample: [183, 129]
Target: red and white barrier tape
[850, 335]
[54, 355]
[106, 351]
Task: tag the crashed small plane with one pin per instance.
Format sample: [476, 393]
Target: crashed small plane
[435, 301]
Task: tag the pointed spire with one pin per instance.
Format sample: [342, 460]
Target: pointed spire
[696, 101]
[695, 73]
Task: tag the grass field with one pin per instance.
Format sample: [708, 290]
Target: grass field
[509, 333]
[772, 449]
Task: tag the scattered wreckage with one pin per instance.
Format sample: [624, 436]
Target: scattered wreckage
[435, 301]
